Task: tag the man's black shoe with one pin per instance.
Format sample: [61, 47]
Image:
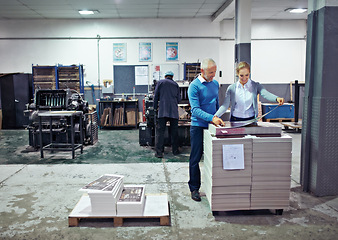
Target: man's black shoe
[195, 195]
[159, 155]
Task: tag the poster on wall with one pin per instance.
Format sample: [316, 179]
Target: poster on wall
[120, 52]
[171, 51]
[145, 52]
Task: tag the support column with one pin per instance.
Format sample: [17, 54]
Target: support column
[243, 31]
[319, 151]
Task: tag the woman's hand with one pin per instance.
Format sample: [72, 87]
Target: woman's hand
[280, 101]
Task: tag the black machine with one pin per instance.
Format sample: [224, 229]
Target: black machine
[147, 130]
[57, 101]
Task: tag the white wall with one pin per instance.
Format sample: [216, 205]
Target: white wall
[278, 47]
[278, 51]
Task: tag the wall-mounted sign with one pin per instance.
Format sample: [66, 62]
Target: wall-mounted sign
[120, 52]
[145, 52]
[172, 51]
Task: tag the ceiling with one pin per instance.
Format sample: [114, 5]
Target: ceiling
[111, 9]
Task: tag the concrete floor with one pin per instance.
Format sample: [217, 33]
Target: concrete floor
[37, 195]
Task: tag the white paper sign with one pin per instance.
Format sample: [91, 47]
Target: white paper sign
[233, 156]
[141, 75]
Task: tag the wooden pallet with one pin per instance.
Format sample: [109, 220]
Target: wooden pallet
[118, 221]
[156, 207]
[279, 120]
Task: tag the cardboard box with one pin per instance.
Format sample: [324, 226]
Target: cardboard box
[131, 117]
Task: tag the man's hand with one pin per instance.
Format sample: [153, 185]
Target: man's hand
[280, 101]
[217, 121]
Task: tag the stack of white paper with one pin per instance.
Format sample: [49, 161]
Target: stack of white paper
[104, 193]
[227, 189]
[271, 172]
[131, 201]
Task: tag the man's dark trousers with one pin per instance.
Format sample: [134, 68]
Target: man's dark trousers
[160, 130]
[196, 141]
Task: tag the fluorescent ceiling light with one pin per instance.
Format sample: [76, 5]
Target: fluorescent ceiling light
[88, 12]
[296, 10]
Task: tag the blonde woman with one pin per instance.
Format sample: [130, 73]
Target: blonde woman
[242, 96]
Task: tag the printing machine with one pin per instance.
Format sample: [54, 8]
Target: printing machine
[60, 101]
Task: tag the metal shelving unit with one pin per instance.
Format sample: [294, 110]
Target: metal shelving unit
[58, 77]
[118, 113]
[191, 70]
[70, 77]
[44, 77]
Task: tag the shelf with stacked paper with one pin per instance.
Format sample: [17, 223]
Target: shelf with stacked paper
[44, 77]
[117, 114]
[265, 178]
[71, 76]
[58, 77]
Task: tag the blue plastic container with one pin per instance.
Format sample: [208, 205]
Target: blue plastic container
[284, 111]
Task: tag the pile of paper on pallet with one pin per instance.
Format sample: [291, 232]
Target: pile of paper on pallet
[104, 193]
[247, 172]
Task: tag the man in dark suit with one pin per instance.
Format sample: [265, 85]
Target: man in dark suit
[167, 97]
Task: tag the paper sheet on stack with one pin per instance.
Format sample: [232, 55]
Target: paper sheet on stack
[131, 201]
[104, 193]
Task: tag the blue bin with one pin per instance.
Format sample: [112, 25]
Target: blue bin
[284, 111]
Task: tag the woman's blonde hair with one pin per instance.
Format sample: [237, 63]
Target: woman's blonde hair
[242, 65]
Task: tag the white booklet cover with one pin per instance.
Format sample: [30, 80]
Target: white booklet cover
[107, 183]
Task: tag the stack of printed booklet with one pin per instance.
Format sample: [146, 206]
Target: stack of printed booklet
[131, 201]
[109, 196]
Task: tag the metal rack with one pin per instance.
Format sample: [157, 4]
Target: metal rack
[191, 70]
[118, 113]
[70, 127]
[70, 77]
[44, 77]
[91, 121]
[58, 77]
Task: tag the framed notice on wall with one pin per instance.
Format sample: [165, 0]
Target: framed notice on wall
[171, 51]
[145, 52]
[120, 52]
